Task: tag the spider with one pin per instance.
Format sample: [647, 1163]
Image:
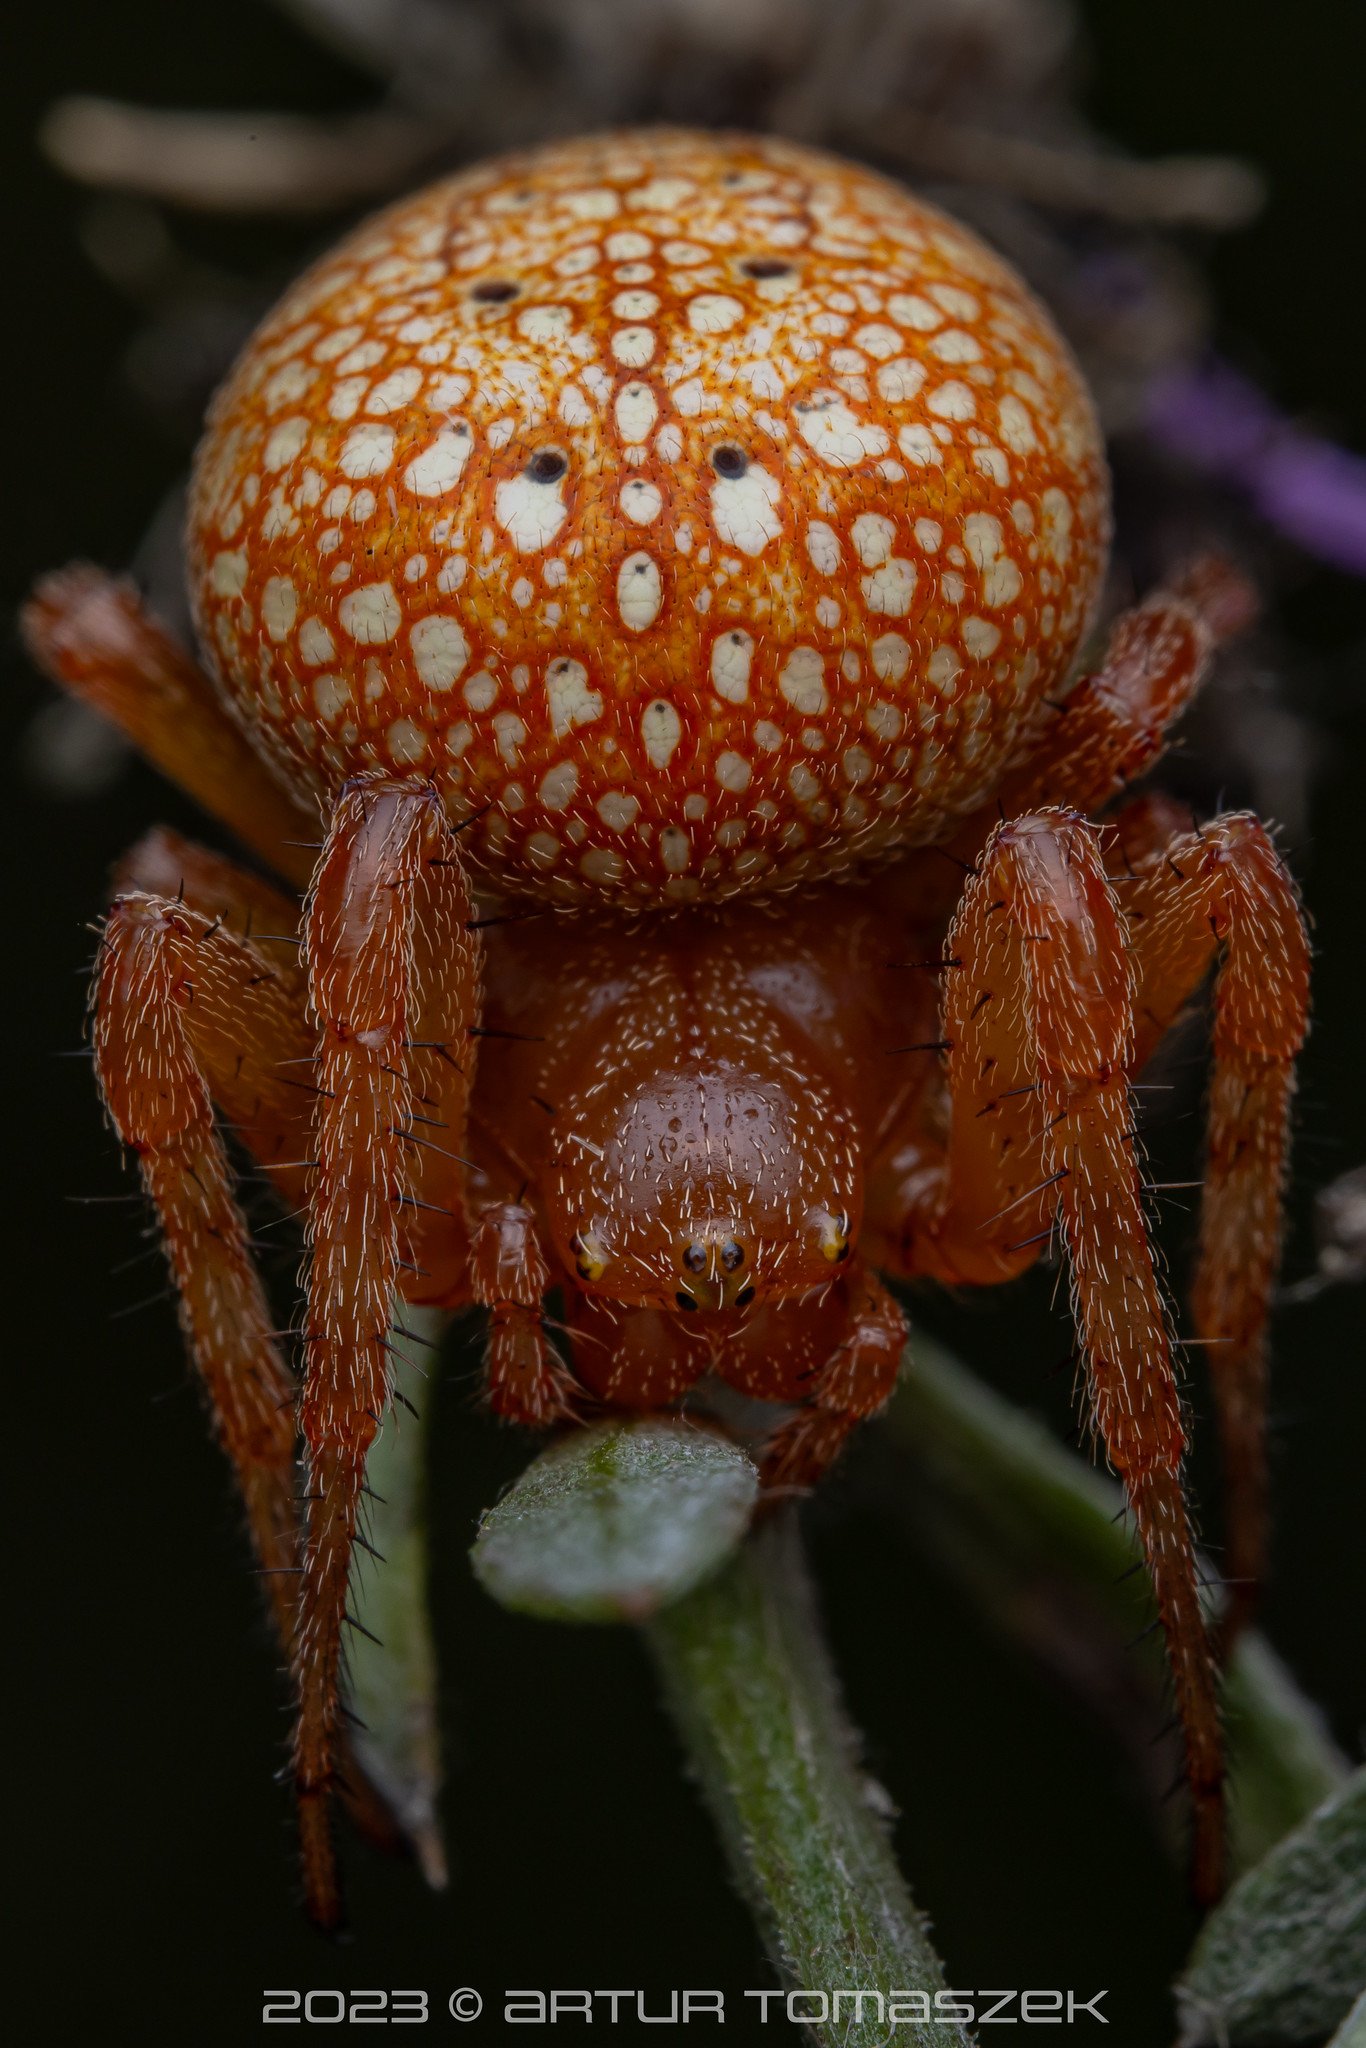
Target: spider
[661, 562]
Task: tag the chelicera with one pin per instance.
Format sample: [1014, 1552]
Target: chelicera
[661, 563]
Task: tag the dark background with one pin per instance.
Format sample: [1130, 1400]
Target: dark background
[149, 1842]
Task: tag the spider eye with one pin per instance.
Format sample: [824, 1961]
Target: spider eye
[590, 1257]
[744, 1297]
[729, 461]
[695, 1258]
[732, 1255]
[685, 1300]
[832, 1234]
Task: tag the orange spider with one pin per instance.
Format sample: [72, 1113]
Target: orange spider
[692, 535]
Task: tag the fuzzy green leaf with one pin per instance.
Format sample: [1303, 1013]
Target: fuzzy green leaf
[613, 1523]
[1280, 1962]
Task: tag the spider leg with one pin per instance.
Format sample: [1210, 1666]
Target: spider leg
[89, 632]
[1222, 892]
[509, 1277]
[165, 863]
[1039, 1023]
[265, 1090]
[1114, 722]
[834, 1354]
[389, 957]
[185, 1011]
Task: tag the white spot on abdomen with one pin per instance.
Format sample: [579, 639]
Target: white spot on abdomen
[675, 848]
[406, 742]
[529, 513]
[392, 393]
[316, 645]
[891, 657]
[367, 450]
[823, 546]
[872, 535]
[640, 592]
[1056, 508]
[509, 732]
[636, 410]
[558, 785]
[900, 380]
[371, 615]
[980, 638]
[714, 312]
[732, 771]
[544, 323]
[440, 467]
[279, 604]
[953, 401]
[1017, 426]
[571, 701]
[918, 445]
[744, 509]
[440, 650]
[229, 573]
[834, 432]
[633, 346]
[618, 810]
[802, 681]
[641, 502]
[287, 441]
[891, 588]
[731, 656]
[661, 729]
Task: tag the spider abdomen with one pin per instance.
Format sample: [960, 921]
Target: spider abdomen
[705, 512]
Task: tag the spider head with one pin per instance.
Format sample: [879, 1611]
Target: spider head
[705, 1187]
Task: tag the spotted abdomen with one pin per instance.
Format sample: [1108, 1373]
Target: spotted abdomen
[702, 512]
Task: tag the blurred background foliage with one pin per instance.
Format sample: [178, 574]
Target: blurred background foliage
[152, 1852]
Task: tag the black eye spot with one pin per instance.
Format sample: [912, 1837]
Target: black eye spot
[732, 1255]
[685, 1301]
[841, 1255]
[729, 461]
[695, 1258]
[744, 1297]
[766, 266]
[495, 291]
[547, 466]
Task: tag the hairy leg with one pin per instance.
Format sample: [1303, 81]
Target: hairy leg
[89, 632]
[1039, 1023]
[509, 1277]
[185, 1012]
[1115, 721]
[835, 1355]
[393, 977]
[259, 1058]
[1221, 892]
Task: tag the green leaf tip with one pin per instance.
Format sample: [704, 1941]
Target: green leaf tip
[1280, 1962]
[614, 1522]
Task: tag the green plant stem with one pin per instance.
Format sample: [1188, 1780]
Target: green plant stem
[392, 1680]
[746, 1674]
[1042, 1541]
